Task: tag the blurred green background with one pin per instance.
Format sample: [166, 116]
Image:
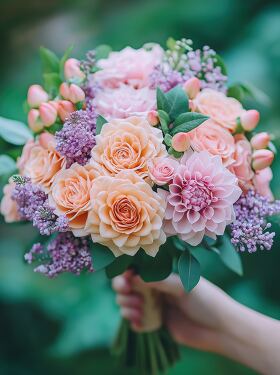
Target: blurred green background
[64, 326]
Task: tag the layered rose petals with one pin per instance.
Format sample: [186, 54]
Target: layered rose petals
[126, 214]
[201, 198]
[127, 145]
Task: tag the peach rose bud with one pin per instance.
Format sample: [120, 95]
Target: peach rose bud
[180, 142]
[192, 87]
[48, 113]
[64, 90]
[76, 94]
[64, 109]
[45, 139]
[262, 159]
[260, 140]
[250, 119]
[153, 118]
[72, 69]
[36, 95]
[34, 120]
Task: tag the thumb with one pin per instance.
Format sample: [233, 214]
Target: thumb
[172, 285]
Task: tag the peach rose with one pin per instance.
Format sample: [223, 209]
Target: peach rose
[43, 162]
[70, 195]
[8, 207]
[162, 169]
[262, 180]
[242, 164]
[126, 214]
[127, 144]
[219, 107]
[25, 155]
[213, 138]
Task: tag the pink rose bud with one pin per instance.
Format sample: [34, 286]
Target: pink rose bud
[260, 140]
[153, 118]
[45, 139]
[36, 95]
[64, 109]
[34, 120]
[249, 119]
[72, 69]
[262, 159]
[54, 103]
[180, 142]
[48, 113]
[64, 90]
[76, 94]
[192, 87]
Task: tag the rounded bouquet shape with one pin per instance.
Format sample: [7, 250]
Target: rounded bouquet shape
[135, 160]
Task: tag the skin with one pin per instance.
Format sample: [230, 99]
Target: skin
[207, 319]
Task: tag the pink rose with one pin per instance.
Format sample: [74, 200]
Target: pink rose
[213, 138]
[129, 66]
[162, 170]
[243, 159]
[8, 207]
[25, 155]
[262, 180]
[219, 107]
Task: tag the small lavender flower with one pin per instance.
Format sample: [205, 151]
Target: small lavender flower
[65, 253]
[250, 229]
[32, 204]
[77, 137]
[165, 78]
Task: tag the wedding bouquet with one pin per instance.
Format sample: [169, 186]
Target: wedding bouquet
[135, 159]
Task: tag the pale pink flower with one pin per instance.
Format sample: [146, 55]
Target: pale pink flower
[161, 170]
[129, 66]
[262, 180]
[8, 207]
[125, 101]
[200, 200]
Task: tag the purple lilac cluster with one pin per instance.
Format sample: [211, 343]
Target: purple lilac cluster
[77, 137]
[90, 86]
[249, 231]
[65, 253]
[165, 78]
[32, 204]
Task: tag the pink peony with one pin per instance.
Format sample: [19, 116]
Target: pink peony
[161, 170]
[200, 200]
[262, 180]
[125, 101]
[129, 66]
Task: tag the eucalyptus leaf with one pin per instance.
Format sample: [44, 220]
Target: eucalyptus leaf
[177, 102]
[7, 165]
[168, 139]
[99, 123]
[14, 132]
[101, 256]
[189, 270]
[50, 62]
[187, 121]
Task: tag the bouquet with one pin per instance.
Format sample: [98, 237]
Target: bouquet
[134, 160]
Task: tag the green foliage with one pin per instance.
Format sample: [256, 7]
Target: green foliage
[99, 123]
[14, 132]
[118, 266]
[102, 51]
[164, 120]
[220, 62]
[52, 81]
[177, 102]
[228, 254]
[189, 270]
[62, 61]
[101, 256]
[50, 62]
[7, 165]
[188, 121]
[243, 91]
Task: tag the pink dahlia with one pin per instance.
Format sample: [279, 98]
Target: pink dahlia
[124, 102]
[200, 198]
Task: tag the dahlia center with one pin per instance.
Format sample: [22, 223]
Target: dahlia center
[197, 195]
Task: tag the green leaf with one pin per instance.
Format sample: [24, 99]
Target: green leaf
[118, 266]
[99, 123]
[14, 132]
[242, 91]
[7, 165]
[101, 256]
[50, 61]
[228, 254]
[177, 102]
[220, 62]
[189, 270]
[170, 43]
[52, 81]
[162, 103]
[102, 51]
[164, 121]
[174, 153]
[187, 121]
[64, 58]
[168, 139]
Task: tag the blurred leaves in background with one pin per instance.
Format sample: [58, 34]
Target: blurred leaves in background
[65, 325]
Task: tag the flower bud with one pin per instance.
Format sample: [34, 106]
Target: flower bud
[64, 109]
[36, 95]
[72, 69]
[262, 159]
[192, 87]
[260, 140]
[64, 90]
[48, 114]
[153, 118]
[76, 94]
[249, 119]
[34, 120]
[45, 139]
[180, 142]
